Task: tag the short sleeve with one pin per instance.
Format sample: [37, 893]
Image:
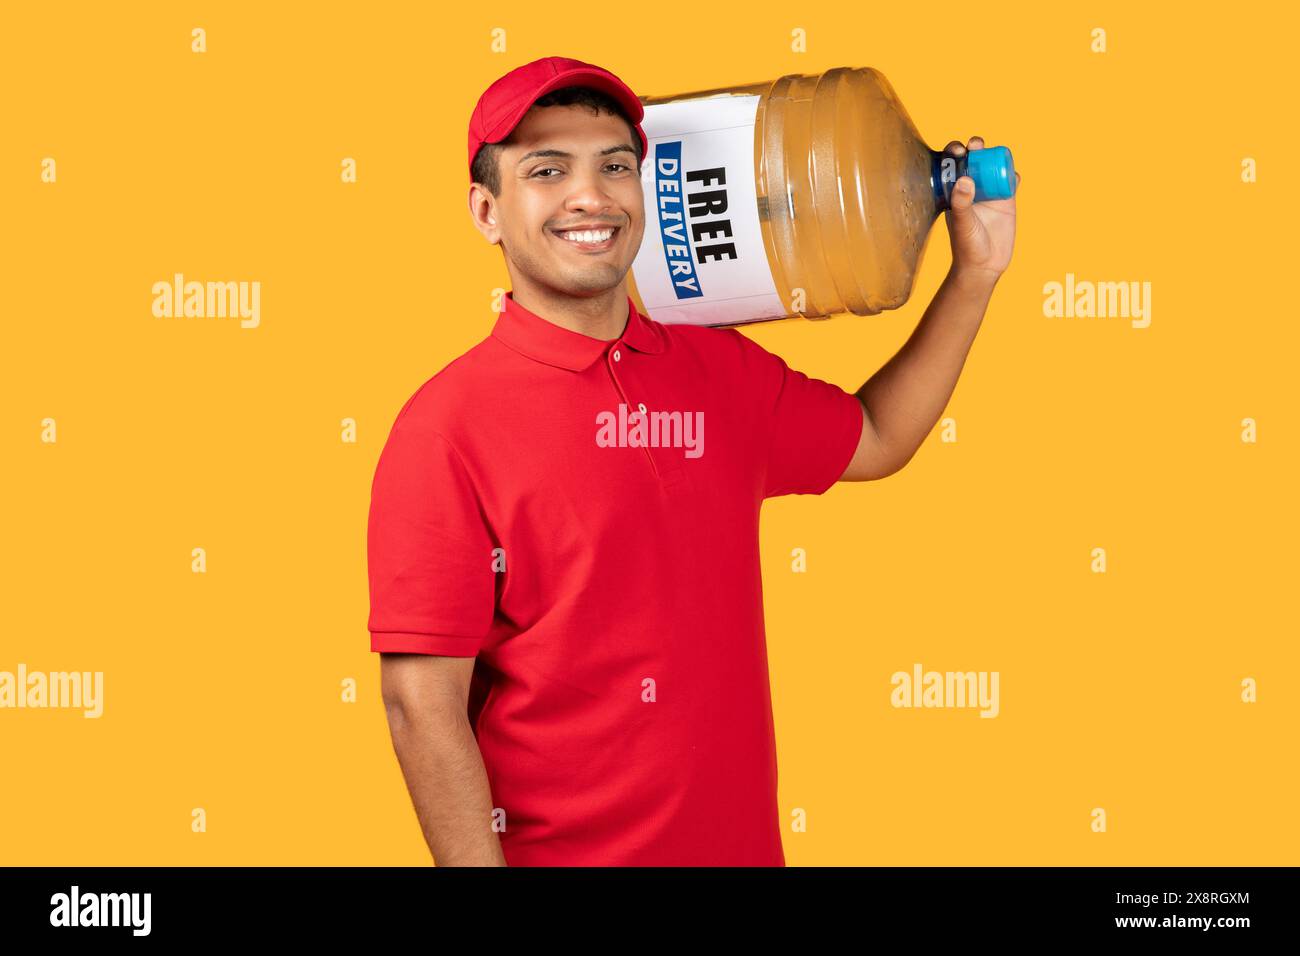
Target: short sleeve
[812, 427]
[429, 549]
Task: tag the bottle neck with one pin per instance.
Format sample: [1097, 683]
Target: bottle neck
[992, 170]
[945, 170]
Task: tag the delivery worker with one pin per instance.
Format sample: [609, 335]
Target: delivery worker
[564, 521]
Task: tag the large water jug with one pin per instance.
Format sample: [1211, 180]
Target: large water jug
[811, 195]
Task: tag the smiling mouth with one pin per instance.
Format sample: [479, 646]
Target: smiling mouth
[589, 246]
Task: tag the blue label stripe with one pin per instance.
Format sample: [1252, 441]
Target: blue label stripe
[672, 220]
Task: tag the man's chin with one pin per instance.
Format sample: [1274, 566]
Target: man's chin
[589, 282]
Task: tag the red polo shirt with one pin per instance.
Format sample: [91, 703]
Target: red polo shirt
[606, 576]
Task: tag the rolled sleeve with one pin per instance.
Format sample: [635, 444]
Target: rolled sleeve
[429, 549]
[812, 426]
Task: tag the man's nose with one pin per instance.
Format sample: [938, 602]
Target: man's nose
[589, 191]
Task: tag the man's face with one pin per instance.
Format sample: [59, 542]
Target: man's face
[586, 175]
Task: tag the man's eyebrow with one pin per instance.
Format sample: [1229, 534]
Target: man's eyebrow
[561, 154]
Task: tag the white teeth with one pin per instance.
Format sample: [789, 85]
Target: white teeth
[588, 236]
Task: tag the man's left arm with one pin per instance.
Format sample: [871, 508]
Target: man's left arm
[902, 402]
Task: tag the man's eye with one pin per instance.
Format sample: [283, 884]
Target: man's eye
[552, 169]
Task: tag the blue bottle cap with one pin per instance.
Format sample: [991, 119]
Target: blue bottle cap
[993, 172]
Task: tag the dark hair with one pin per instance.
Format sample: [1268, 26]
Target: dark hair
[486, 168]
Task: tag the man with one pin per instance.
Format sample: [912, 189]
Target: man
[570, 620]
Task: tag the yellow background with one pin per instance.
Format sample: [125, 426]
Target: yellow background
[222, 690]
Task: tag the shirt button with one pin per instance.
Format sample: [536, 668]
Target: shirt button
[616, 356]
[641, 406]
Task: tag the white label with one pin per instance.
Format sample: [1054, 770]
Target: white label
[702, 260]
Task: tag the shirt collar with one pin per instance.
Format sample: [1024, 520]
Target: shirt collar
[544, 341]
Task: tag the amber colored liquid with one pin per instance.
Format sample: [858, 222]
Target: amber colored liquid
[844, 195]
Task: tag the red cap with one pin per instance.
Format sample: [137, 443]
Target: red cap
[504, 103]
